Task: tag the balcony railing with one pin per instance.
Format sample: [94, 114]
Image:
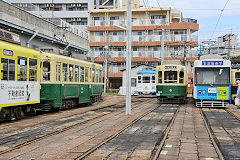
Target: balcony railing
[118, 38]
[158, 21]
[139, 38]
[137, 22]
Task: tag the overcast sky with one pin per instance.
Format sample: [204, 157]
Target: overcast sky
[207, 13]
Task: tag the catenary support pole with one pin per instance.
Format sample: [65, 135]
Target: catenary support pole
[162, 46]
[128, 57]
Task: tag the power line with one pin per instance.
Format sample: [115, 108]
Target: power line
[219, 17]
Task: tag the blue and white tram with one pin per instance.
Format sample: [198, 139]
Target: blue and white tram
[146, 82]
[212, 82]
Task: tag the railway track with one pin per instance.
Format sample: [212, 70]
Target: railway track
[142, 138]
[22, 137]
[224, 128]
[30, 121]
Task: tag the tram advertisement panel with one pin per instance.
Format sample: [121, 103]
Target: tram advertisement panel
[18, 92]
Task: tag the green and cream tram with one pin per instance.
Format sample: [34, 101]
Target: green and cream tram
[171, 84]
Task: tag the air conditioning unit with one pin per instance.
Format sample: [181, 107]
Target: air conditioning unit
[78, 19]
[73, 5]
[79, 5]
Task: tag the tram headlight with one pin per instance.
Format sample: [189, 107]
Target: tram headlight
[170, 90]
[224, 92]
[220, 92]
[204, 92]
[199, 92]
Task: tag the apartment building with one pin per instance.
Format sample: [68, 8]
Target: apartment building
[147, 30]
[74, 12]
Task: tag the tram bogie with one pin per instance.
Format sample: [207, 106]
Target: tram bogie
[171, 83]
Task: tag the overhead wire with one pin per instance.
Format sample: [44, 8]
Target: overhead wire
[219, 17]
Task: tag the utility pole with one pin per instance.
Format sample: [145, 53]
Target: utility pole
[229, 40]
[106, 63]
[52, 8]
[128, 57]
[162, 46]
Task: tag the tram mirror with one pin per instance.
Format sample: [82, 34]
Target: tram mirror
[220, 71]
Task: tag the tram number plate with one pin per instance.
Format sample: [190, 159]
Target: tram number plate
[212, 90]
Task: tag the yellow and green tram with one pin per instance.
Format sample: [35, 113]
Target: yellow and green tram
[66, 82]
[235, 76]
[20, 80]
[171, 84]
[33, 81]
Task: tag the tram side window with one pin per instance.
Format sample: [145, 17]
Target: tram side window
[86, 74]
[46, 71]
[70, 73]
[64, 73]
[7, 69]
[237, 76]
[159, 76]
[96, 78]
[81, 74]
[100, 76]
[153, 79]
[139, 79]
[76, 73]
[32, 69]
[22, 69]
[93, 75]
[181, 77]
[170, 77]
[58, 72]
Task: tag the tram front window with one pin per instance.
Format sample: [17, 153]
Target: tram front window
[146, 79]
[212, 76]
[170, 77]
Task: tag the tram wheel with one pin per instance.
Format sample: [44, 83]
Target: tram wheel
[19, 113]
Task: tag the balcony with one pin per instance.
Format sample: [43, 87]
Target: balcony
[118, 38]
[117, 22]
[117, 53]
[135, 22]
[154, 38]
[158, 21]
[97, 23]
[139, 54]
[139, 38]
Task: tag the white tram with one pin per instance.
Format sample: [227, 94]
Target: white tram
[146, 82]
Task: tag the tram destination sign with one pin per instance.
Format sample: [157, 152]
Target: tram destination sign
[170, 67]
[212, 63]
